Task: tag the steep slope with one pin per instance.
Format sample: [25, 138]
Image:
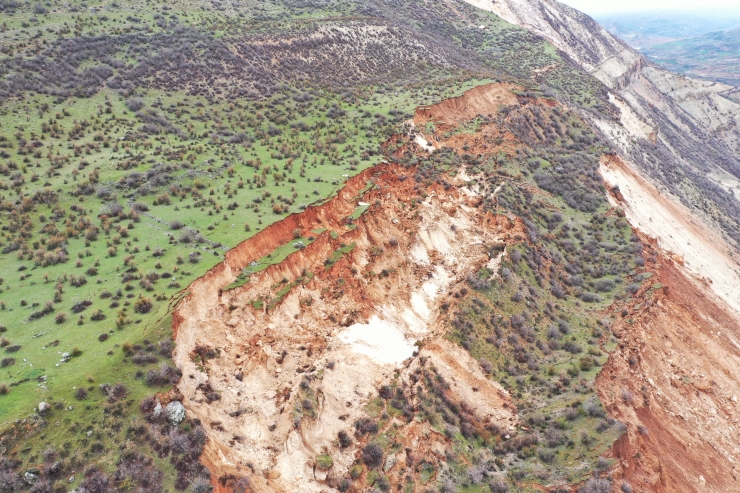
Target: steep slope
[441, 283]
[337, 333]
[681, 132]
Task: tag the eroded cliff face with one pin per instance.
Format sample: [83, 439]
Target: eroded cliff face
[672, 380]
[348, 307]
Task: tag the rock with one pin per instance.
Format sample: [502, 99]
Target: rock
[65, 357]
[157, 412]
[320, 475]
[71, 479]
[44, 407]
[390, 462]
[175, 412]
[30, 477]
[54, 469]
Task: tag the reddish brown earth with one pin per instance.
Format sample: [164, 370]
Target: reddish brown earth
[412, 248]
[673, 381]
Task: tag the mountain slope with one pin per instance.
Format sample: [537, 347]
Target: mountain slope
[681, 132]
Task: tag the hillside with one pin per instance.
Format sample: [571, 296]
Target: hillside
[326, 245]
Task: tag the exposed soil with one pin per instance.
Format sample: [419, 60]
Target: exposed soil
[672, 381]
[672, 378]
[347, 329]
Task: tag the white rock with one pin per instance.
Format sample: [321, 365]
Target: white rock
[157, 412]
[175, 412]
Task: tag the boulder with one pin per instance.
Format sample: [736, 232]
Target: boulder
[175, 412]
[30, 477]
[44, 407]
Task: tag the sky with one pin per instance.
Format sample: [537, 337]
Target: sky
[597, 7]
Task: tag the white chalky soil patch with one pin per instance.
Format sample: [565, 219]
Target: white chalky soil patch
[380, 340]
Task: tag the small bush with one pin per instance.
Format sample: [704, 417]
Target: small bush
[344, 439]
[498, 487]
[596, 485]
[143, 305]
[324, 462]
[80, 394]
[372, 456]
[134, 104]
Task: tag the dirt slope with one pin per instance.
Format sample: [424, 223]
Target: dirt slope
[345, 326]
[672, 380]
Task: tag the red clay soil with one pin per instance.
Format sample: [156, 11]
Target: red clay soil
[347, 292]
[327, 215]
[481, 100]
[672, 381]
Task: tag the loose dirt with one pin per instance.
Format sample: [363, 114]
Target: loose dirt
[349, 325]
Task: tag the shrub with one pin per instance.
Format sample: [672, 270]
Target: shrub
[498, 487]
[117, 392]
[586, 363]
[7, 362]
[596, 485]
[344, 439]
[572, 347]
[604, 285]
[363, 426]
[547, 456]
[143, 305]
[176, 225]
[242, 485]
[324, 462]
[134, 104]
[80, 394]
[372, 455]
[201, 485]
